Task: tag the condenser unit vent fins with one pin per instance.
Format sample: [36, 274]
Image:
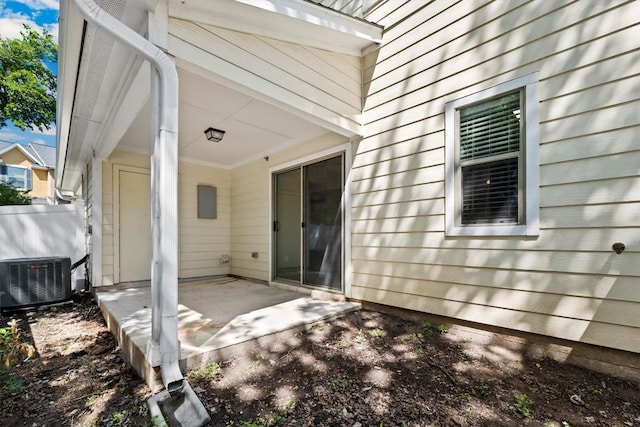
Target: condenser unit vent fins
[28, 282]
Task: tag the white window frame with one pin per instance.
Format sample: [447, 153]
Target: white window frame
[530, 221]
[25, 172]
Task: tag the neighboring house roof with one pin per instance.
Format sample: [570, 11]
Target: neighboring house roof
[45, 153]
[38, 154]
[27, 152]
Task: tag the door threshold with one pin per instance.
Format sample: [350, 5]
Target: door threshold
[291, 287]
[315, 293]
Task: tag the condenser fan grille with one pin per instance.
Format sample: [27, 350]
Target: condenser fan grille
[35, 281]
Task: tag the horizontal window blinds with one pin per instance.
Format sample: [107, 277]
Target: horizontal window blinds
[490, 192]
[490, 134]
[491, 128]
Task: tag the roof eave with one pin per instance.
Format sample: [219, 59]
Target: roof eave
[70, 47]
[295, 21]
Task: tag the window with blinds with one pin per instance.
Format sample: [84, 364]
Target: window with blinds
[492, 169]
[489, 135]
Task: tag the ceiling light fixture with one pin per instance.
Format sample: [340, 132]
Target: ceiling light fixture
[214, 135]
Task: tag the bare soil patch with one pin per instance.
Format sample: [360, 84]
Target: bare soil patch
[362, 369]
[76, 378]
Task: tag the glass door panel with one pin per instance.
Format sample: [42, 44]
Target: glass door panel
[323, 187]
[286, 226]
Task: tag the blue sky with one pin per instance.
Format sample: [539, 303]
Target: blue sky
[39, 15]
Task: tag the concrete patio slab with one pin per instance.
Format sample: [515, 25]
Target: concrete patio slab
[214, 316]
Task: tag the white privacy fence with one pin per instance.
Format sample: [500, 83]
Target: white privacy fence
[43, 231]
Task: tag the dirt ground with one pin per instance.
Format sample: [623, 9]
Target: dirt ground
[362, 369]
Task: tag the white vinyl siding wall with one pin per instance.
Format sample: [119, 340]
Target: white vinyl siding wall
[567, 282]
[201, 241]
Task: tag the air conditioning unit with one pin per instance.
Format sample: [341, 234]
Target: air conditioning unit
[26, 282]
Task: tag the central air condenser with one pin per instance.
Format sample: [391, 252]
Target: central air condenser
[26, 282]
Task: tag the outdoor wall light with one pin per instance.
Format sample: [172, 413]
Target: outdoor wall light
[214, 135]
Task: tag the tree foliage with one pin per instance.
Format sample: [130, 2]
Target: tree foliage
[10, 196]
[27, 85]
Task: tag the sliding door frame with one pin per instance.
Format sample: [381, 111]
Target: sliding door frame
[345, 150]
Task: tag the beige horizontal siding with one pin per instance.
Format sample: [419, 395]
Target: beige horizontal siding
[512, 47]
[613, 190]
[583, 307]
[202, 241]
[567, 282]
[398, 195]
[595, 239]
[552, 261]
[370, 150]
[586, 331]
[388, 13]
[608, 287]
[613, 141]
[592, 169]
[435, 77]
[250, 228]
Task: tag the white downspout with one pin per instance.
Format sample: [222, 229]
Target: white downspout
[165, 177]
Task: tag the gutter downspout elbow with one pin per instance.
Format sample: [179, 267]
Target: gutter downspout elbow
[166, 146]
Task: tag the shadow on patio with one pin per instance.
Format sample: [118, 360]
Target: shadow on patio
[216, 317]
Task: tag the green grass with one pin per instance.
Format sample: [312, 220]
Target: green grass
[208, 372]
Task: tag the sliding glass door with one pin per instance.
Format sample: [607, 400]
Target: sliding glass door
[309, 219]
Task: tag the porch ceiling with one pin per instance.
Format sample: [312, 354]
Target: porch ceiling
[102, 94]
[253, 128]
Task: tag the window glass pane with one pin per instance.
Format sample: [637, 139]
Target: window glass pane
[323, 223]
[490, 128]
[19, 177]
[288, 217]
[490, 192]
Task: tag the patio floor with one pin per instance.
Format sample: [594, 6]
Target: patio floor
[216, 318]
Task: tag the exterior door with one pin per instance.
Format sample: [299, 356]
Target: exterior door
[308, 224]
[135, 226]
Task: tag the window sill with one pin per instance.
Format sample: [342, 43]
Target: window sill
[491, 230]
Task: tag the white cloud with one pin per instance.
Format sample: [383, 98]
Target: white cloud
[40, 4]
[12, 23]
[8, 136]
[51, 131]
